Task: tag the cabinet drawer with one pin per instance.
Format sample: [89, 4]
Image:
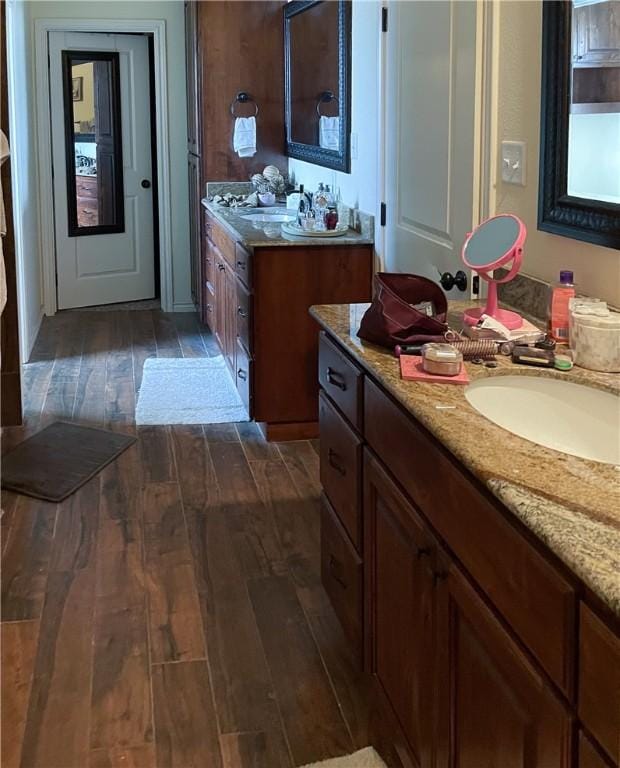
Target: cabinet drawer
[244, 316]
[341, 460]
[243, 264]
[341, 379]
[534, 598]
[243, 376]
[219, 238]
[341, 573]
[599, 681]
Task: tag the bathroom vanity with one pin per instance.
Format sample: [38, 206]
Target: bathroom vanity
[478, 592]
[255, 295]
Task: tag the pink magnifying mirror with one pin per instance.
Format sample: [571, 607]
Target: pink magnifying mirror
[497, 242]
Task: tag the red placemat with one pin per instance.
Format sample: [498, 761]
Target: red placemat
[411, 370]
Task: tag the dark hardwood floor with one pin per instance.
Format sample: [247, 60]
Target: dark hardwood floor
[170, 613]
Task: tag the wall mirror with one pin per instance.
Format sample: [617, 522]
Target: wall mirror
[93, 142]
[317, 64]
[579, 186]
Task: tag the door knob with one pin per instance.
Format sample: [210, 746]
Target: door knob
[145, 183]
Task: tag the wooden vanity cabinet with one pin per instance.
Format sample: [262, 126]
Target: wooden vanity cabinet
[478, 654]
[256, 301]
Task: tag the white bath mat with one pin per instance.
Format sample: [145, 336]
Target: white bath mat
[197, 390]
[365, 758]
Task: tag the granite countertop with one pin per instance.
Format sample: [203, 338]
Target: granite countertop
[571, 504]
[243, 231]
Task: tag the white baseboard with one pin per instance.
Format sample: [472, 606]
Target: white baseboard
[27, 345]
[183, 306]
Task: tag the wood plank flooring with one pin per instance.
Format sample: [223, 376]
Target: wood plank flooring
[170, 613]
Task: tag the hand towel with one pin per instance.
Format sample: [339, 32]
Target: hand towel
[244, 136]
[329, 132]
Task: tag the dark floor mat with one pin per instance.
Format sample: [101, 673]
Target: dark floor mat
[55, 462]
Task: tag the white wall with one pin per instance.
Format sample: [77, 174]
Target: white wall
[519, 41]
[25, 180]
[594, 156]
[359, 188]
[172, 12]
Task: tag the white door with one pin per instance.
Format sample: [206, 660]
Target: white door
[103, 199]
[430, 133]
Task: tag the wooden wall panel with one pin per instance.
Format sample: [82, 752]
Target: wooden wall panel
[241, 48]
[10, 387]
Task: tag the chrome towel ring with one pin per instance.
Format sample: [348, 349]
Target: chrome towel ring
[243, 98]
[324, 98]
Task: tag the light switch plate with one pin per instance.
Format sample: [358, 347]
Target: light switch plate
[513, 162]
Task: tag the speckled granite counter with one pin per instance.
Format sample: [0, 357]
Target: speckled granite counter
[571, 504]
[242, 230]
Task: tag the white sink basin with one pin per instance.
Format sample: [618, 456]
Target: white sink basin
[269, 218]
[567, 417]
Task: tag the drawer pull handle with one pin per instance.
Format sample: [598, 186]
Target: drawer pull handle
[241, 312]
[221, 267]
[242, 374]
[241, 264]
[335, 379]
[334, 569]
[331, 458]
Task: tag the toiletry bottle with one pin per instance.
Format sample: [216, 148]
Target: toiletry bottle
[559, 296]
[320, 206]
[302, 207]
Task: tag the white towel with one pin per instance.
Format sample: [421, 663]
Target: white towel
[244, 136]
[329, 132]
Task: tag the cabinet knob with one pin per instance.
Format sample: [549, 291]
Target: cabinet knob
[221, 267]
[241, 312]
[423, 552]
[242, 374]
[241, 264]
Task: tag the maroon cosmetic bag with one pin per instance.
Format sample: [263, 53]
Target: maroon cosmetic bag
[392, 317]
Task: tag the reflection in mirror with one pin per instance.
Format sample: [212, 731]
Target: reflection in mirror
[95, 201]
[317, 42]
[594, 121]
[315, 116]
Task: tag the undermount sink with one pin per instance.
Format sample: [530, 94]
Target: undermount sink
[567, 417]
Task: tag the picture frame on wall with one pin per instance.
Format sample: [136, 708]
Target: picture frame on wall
[77, 84]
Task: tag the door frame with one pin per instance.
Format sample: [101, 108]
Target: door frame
[157, 28]
[485, 130]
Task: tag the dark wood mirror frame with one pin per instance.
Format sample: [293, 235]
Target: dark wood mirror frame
[579, 218]
[338, 160]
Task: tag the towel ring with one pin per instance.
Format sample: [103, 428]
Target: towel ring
[325, 98]
[242, 98]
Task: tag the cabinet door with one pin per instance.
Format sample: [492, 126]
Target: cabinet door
[230, 311]
[192, 74]
[219, 328]
[596, 34]
[399, 608]
[496, 710]
[193, 175]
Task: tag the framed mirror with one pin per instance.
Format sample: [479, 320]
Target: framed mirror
[579, 184]
[93, 142]
[317, 75]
